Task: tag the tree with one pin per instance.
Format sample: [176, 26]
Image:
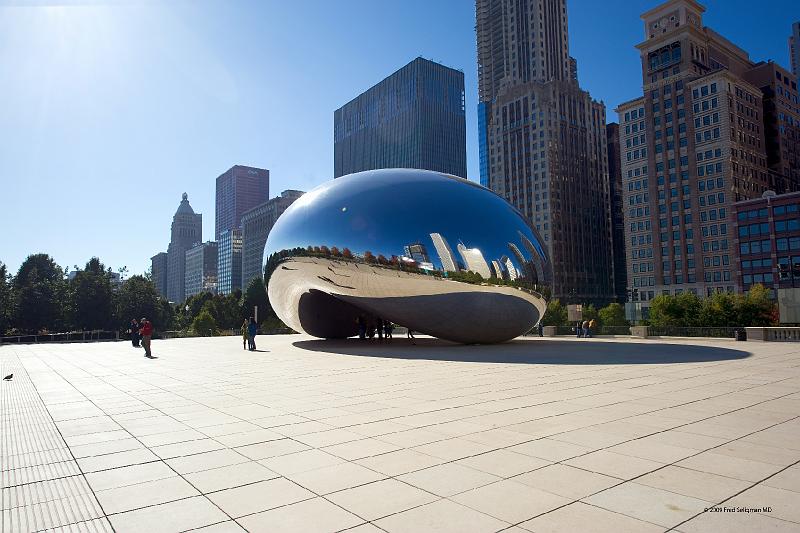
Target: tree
[719, 310]
[139, 298]
[664, 311]
[756, 308]
[91, 298]
[6, 300]
[556, 314]
[204, 323]
[256, 295]
[589, 312]
[613, 315]
[39, 294]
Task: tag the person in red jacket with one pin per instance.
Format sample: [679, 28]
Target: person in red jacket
[146, 331]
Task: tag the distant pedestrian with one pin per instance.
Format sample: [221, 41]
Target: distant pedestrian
[410, 335]
[243, 331]
[146, 331]
[540, 328]
[585, 327]
[252, 329]
[592, 327]
[362, 327]
[579, 329]
[379, 327]
[388, 327]
[134, 331]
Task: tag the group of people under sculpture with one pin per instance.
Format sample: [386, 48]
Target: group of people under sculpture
[368, 326]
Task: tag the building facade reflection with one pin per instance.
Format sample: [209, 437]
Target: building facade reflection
[358, 246]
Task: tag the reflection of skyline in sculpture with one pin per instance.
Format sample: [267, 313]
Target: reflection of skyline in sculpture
[474, 261]
[446, 257]
[498, 270]
[512, 271]
[417, 252]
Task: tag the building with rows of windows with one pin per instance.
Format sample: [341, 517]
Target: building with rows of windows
[542, 141]
[695, 143]
[768, 244]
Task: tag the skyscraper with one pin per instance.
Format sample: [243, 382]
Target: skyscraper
[617, 207]
[256, 225]
[238, 189]
[158, 272]
[187, 230]
[542, 140]
[794, 49]
[690, 147]
[412, 119]
[229, 262]
[781, 122]
[201, 268]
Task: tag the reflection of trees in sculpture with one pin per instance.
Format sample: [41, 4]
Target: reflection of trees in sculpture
[369, 257]
[346, 253]
[335, 252]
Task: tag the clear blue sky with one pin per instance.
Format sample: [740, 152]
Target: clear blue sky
[109, 110]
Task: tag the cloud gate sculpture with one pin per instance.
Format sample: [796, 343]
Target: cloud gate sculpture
[435, 253]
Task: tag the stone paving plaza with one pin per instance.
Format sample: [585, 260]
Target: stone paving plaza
[610, 435]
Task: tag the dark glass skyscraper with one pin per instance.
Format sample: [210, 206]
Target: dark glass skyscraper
[412, 119]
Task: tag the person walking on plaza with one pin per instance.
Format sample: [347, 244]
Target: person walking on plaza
[388, 327]
[410, 335]
[585, 327]
[379, 327]
[592, 326]
[146, 331]
[134, 331]
[540, 329]
[244, 334]
[579, 329]
[252, 329]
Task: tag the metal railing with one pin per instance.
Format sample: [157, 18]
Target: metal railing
[653, 331]
[69, 336]
[678, 331]
[106, 336]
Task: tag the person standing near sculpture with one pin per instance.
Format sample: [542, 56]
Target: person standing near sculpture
[146, 331]
[252, 329]
[133, 329]
[592, 327]
[585, 328]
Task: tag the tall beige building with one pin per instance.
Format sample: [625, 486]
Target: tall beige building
[691, 146]
[542, 140]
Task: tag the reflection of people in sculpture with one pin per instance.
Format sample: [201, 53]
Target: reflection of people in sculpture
[410, 335]
[388, 327]
[379, 327]
[362, 327]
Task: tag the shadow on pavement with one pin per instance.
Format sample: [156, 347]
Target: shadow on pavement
[550, 352]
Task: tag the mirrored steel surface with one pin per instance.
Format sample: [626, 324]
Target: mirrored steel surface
[438, 254]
